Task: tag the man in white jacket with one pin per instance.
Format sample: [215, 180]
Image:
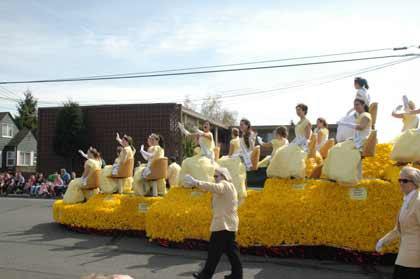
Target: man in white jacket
[224, 224]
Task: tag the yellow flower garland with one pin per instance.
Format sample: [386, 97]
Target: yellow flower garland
[285, 212]
[105, 212]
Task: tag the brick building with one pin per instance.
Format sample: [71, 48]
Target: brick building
[136, 120]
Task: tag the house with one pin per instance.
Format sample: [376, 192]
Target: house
[18, 149]
[135, 120]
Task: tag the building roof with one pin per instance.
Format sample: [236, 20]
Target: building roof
[203, 118]
[3, 114]
[19, 137]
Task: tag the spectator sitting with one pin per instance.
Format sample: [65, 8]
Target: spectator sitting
[10, 184]
[2, 184]
[39, 181]
[58, 186]
[29, 183]
[19, 182]
[65, 176]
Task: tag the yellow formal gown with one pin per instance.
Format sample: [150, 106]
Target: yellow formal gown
[276, 144]
[289, 160]
[236, 168]
[343, 163]
[110, 185]
[173, 174]
[410, 121]
[323, 134]
[75, 192]
[407, 147]
[140, 185]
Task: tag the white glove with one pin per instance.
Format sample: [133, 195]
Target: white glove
[190, 181]
[259, 140]
[347, 124]
[379, 246]
[183, 130]
[142, 147]
[405, 102]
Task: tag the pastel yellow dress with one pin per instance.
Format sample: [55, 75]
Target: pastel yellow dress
[410, 121]
[276, 143]
[112, 185]
[407, 147]
[75, 192]
[322, 133]
[173, 174]
[236, 168]
[140, 185]
[344, 161]
[289, 160]
[207, 146]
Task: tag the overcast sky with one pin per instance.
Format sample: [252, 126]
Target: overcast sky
[55, 39]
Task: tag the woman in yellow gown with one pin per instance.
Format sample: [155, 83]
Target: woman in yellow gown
[234, 164]
[321, 132]
[201, 165]
[111, 185]
[77, 190]
[155, 151]
[289, 160]
[344, 160]
[279, 140]
[407, 145]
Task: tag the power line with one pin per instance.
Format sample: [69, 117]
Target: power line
[253, 62]
[371, 69]
[293, 84]
[211, 71]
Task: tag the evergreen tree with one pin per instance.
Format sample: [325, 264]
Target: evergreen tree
[70, 133]
[27, 112]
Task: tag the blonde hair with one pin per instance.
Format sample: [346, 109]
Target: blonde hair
[411, 105]
[413, 174]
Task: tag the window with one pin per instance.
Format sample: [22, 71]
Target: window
[10, 159]
[1, 159]
[24, 158]
[34, 158]
[6, 130]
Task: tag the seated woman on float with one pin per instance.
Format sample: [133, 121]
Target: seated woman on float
[234, 164]
[201, 165]
[119, 176]
[344, 161]
[141, 185]
[345, 132]
[289, 160]
[278, 141]
[407, 145]
[247, 144]
[81, 189]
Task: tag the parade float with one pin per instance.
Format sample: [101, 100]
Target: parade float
[314, 218]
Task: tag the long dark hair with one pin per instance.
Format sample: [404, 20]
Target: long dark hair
[282, 131]
[248, 131]
[365, 106]
[361, 82]
[130, 142]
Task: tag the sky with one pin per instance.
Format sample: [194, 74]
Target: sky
[56, 39]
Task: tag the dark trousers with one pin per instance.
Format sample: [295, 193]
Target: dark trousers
[402, 272]
[222, 242]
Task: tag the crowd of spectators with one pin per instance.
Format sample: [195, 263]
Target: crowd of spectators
[36, 185]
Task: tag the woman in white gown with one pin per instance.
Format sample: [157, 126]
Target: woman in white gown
[344, 132]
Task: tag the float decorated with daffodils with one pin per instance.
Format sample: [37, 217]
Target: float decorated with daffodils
[287, 217]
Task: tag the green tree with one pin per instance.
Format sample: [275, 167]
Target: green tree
[70, 132]
[188, 103]
[212, 108]
[27, 112]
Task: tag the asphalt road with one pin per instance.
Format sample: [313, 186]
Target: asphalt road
[33, 246]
